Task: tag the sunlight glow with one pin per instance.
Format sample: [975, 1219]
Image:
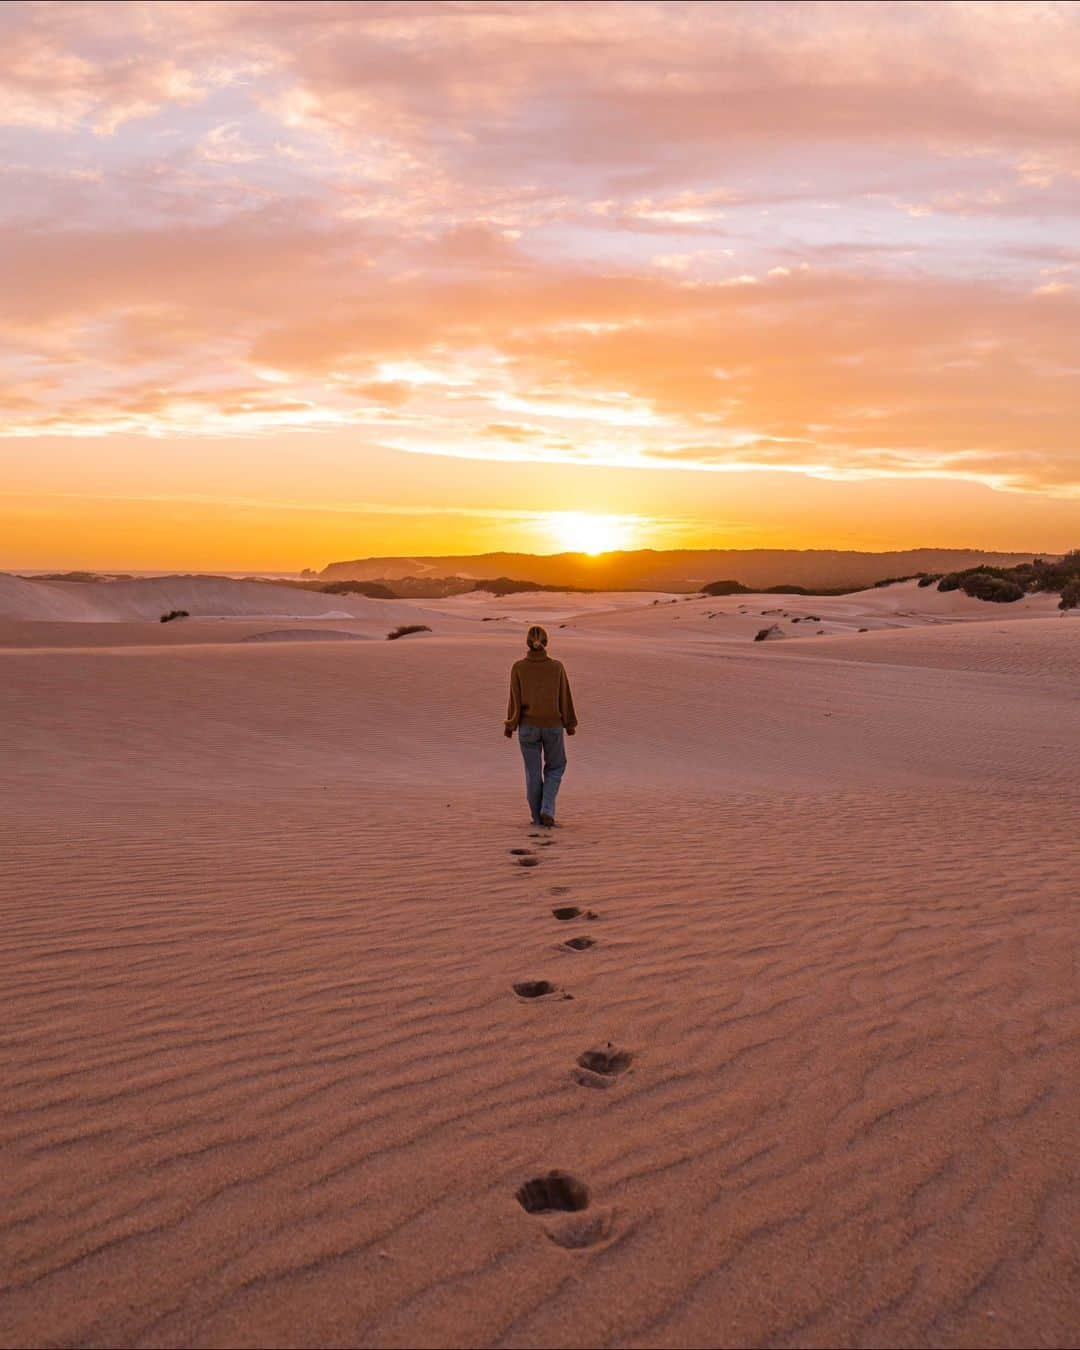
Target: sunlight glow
[579, 532]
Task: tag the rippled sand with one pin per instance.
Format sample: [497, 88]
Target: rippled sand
[265, 1079]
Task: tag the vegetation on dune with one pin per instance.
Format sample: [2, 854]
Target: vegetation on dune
[66, 576]
[895, 581]
[1000, 585]
[729, 587]
[174, 614]
[998, 589]
[725, 588]
[1006, 584]
[406, 628]
[374, 590]
[508, 586]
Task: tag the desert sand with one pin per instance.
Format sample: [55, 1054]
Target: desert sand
[810, 1054]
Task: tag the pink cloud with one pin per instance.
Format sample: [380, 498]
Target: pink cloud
[438, 218]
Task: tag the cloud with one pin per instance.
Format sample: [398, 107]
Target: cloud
[519, 230]
[53, 76]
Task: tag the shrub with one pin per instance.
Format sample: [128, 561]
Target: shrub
[1070, 594]
[725, 588]
[508, 586]
[175, 614]
[986, 586]
[893, 581]
[374, 590]
[405, 629]
[928, 578]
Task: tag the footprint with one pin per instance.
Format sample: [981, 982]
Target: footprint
[579, 944]
[538, 989]
[567, 912]
[554, 1191]
[610, 1062]
[521, 852]
[600, 1068]
[528, 861]
[560, 890]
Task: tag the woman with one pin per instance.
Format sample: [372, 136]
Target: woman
[540, 709]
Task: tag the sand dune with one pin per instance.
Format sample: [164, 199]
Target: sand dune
[147, 598]
[265, 1078]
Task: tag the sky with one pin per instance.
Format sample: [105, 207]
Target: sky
[283, 283]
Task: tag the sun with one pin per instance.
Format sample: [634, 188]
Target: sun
[580, 532]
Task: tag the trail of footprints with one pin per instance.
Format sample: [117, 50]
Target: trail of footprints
[559, 1193]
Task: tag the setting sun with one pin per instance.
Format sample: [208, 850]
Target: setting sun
[580, 532]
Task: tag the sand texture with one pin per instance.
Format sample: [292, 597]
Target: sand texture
[264, 1075]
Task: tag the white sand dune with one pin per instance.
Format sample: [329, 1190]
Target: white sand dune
[739, 617]
[147, 598]
[264, 1079]
[526, 607]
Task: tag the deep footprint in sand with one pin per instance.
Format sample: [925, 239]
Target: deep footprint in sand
[565, 913]
[600, 1068]
[566, 1199]
[536, 989]
[553, 1191]
[578, 944]
[521, 852]
[528, 861]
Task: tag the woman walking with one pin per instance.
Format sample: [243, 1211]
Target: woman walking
[540, 710]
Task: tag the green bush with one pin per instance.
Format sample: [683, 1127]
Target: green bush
[1025, 578]
[986, 586]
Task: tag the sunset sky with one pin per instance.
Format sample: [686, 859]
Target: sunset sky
[288, 282]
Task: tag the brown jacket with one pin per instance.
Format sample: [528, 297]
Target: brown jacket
[540, 694]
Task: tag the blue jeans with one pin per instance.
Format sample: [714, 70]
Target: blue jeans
[542, 787]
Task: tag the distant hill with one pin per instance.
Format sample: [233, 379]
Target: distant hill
[669, 569]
